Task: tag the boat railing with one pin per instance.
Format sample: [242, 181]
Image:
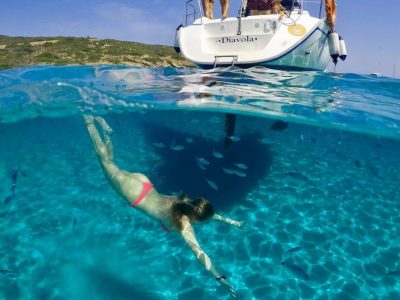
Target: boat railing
[193, 11]
[292, 5]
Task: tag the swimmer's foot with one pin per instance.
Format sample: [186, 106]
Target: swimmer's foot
[88, 119]
[104, 126]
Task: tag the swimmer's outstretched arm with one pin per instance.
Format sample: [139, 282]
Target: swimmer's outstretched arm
[237, 224]
[187, 233]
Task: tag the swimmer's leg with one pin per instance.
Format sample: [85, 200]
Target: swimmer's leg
[107, 131]
[98, 144]
[112, 172]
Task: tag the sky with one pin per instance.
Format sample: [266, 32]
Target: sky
[370, 28]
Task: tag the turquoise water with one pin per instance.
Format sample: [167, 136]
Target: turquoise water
[327, 183]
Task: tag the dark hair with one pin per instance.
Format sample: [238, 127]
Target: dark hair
[203, 209]
[196, 210]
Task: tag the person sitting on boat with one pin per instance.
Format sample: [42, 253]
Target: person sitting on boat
[263, 7]
[173, 212]
[259, 7]
[208, 7]
[290, 4]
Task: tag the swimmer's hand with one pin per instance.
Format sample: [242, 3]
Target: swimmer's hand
[222, 280]
[237, 224]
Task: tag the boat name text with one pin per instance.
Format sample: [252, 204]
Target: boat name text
[243, 39]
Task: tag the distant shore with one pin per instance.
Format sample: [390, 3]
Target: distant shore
[30, 51]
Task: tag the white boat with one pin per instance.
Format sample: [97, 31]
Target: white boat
[290, 39]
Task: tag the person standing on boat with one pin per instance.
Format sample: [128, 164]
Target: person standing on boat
[208, 7]
[259, 7]
[330, 10]
[173, 212]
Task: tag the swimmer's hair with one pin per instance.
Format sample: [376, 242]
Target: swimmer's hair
[203, 209]
[182, 197]
[196, 210]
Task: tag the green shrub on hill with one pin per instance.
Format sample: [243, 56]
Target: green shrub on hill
[28, 51]
[46, 57]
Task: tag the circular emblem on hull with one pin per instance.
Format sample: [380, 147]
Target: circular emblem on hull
[297, 30]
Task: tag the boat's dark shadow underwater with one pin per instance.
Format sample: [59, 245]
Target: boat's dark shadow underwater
[204, 168]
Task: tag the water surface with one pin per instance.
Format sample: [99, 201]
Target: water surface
[326, 183]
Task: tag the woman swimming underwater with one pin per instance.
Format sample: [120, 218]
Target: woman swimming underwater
[174, 212]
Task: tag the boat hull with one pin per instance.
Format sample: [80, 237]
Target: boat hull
[298, 42]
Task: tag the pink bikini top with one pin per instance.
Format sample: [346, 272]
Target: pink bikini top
[146, 188]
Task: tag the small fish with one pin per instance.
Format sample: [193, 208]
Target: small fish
[216, 154]
[373, 170]
[340, 196]
[279, 125]
[296, 270]
[263, 193]
[201, 166]
[177, 147]
[212, 184]
[393, 273]
[301, 138]
[74, 223]
[9, 198]
[357, 163]
[188, 140]
[228, 171]
[8, 273]
[240, 173]
[241, 166]
[159, 145]
[321, 163]
[297, 175]
[294, 249]
[202, 160]
[234, 138]
[14, 176]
